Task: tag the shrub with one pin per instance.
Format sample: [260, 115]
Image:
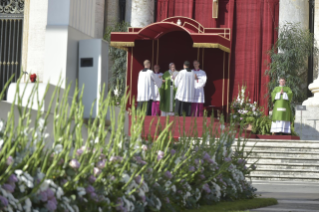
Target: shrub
[110, 171]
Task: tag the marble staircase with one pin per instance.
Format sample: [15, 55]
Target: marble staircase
[284, 160]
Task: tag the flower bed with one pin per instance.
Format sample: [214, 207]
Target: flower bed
[122, 174]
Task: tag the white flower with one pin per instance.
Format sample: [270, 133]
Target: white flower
[1, 126]
[59, 193]
[1, 143]
[81, 191]
[58, 149]
[125, 178]
[159, 205]
[22, 188]
[28, 205]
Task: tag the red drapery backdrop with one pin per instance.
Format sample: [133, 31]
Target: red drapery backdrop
[253, 26]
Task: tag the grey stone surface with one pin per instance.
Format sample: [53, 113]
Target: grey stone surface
[307, 123]
[291, 196]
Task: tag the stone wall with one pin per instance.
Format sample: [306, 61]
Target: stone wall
[112, 12]
[308, 127]
[142, 13]
[294, 11]
[35, 48]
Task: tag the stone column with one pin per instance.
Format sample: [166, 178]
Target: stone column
[316, 32]
[142, 12]
[112, 12]
[294, 11]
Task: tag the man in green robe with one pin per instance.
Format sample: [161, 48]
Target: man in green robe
[281, 115]
[168, 91]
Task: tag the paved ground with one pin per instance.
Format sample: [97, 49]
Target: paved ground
[291, 196]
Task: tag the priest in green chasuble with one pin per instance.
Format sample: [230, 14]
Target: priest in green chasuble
[282, 115]
[168, 91]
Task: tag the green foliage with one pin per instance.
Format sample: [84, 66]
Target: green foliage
[118, 58]
[262, 126]
[289, 59]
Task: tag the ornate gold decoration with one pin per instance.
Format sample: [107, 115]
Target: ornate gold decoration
[12, 6]
[122, 45]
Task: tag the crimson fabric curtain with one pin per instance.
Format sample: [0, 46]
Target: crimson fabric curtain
[253, 26]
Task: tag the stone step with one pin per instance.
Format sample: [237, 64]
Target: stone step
[281, 145]
[282, 149]
[292, 166]
[284, 160]
[270, 154]
[283, 172]
[254, 177]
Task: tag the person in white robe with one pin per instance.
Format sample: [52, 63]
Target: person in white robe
[200, 82]
[156, 100]
[147, 80]
[185, 83]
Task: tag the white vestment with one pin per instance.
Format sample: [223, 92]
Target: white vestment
[199, 86]
[185, 83]
[157, 96]
[147, 80]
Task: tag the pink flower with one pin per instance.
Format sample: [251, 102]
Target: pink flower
[90, 189]
[160, 155]
[144, 147]
[173, 151]
[43, 196]
[96, 171]
[10, 160]
[79, 152]
[74, 164]
[50, 193]
[13, 179]
[101, 164]
[168, 174]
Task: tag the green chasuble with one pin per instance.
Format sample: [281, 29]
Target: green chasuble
[282, 110]
[165, 92]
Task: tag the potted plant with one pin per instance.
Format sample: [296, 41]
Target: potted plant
[244, 111]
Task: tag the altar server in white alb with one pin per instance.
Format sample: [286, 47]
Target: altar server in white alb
[185, 83]
[200, 82]
[147, 80]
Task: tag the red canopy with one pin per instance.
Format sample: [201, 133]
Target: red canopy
[202, 37]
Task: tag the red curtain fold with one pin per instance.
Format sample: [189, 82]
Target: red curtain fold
[253, 25]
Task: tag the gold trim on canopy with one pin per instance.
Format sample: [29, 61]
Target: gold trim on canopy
[122, 45]
[211, 45]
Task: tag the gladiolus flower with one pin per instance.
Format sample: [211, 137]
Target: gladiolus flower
[160, 155]
[101, 164]
[192, 169]
[168, 174]
[9, 188]
[144, 147]
[4, 202]
[74, 164]
[90, 189]
[10, 160]
[92, 179]
[51, 205]
[79, 152]
[13, 179]
[173, 151]
[227, 159]
[96, 171]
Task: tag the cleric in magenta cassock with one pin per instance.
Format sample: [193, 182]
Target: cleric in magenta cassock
[156, 100]
[199, 95]
[281, 116]
[147, 80]
[185, 83]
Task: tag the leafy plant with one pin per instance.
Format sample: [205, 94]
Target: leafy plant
[118, 58]
[262, 125]
[289, 59]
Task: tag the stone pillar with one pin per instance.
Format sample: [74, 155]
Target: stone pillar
[316, 34]
[294, 11]
[112, 12]
[142, 12]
